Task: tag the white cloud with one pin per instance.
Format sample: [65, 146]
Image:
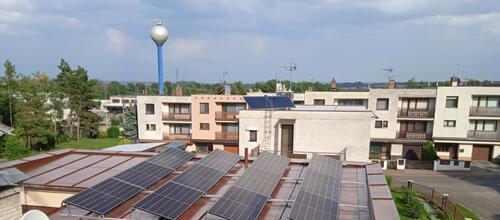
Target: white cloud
[488, 23]
[398, 6]
[117, 40]
[184, 49]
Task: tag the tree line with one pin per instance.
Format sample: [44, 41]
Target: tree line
[33, 104]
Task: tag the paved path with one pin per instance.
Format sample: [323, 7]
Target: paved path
[478, 190]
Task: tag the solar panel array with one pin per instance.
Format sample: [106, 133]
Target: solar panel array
[107, 195]
[270, 102]
[177, 195]
[319, 193]
[246, 198]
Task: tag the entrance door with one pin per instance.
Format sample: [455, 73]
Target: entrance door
[286, 139]
[481, 152]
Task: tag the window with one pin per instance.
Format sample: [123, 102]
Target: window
[150, 127]
[483, 125]
[382, 104]
[204, 108]
[178, 109]
[115, 100]
[319, 102]
[449, 123]
[203, 148]
[230, 127]
[232, 107]
[150, 109]
[351, 102]
[486, 101]
[451, 101]
[253, 136]
[442, 148]
[204, 126]
[179, 129]
[381, 124]
[125, 101]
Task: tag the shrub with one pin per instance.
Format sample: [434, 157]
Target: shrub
[125, 141]
[116, 121]
[15, 147]
[388, 178]
[429, 152]
[416, 208]
[113, 132]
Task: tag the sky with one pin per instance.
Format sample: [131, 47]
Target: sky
[351, 40]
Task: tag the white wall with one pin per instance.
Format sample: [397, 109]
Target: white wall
[460, 114]
[451, 166]
[161, 105]
[314, 131]
[330, 96]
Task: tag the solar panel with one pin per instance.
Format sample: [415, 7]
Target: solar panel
[248, 206]
[171, 158]
[104, 196]
[110, 193]
[320, 190]
[170, 200]
[196, 181]
[246, 198]
[144, 174]
[270, 102]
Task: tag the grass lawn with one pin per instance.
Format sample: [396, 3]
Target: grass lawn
[467, 213]
[403, 210]
[90, 143]
[85, 143]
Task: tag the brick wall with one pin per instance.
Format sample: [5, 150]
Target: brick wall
[10, 204]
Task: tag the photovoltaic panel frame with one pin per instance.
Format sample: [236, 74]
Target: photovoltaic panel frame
[269, 102]
[110, 193]
[319, 194]
[196, 180]
[249, 194]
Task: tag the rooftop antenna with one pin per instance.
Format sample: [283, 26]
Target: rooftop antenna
[389, 74]
[292, 67]
[224, 75]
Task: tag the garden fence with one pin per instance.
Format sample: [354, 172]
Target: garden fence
[431, 195]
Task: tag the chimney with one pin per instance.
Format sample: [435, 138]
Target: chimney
[455, 81]
[333, 85]
[392, 84]
[178, 90]
[227, 89]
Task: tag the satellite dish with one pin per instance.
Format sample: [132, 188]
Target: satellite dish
[34, 215]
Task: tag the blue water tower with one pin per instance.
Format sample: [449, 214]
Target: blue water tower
[159, 34]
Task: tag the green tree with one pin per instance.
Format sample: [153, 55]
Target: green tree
[33, 120]
[472, 82]
[116, 88]
[130, 124]
[113, 132]
[15, 147]
[9, 87]
[429, 152]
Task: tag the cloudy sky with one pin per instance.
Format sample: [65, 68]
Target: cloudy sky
[250, 39]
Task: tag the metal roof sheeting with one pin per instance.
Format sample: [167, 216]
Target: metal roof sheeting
[134, 147]
[11, 176]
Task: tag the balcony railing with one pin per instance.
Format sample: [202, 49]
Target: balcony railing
[415, 113]
[495, 135]
[413, 135]
[225, 116]
[485, 111]
[167, 136]
[226, 136]
[176, 117]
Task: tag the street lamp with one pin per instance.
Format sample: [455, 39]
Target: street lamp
[159, 34]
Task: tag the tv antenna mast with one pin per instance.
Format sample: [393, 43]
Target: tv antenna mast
[292, 67]
[389, 74]
[224, 75]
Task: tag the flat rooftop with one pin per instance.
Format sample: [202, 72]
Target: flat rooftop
[364, 193]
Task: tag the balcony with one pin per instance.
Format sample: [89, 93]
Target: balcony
[489, 135]
[167, 136]
[485, 111]
[226, 136]
[415, 113]
[413, 135]
[175, 117]
[225, 116]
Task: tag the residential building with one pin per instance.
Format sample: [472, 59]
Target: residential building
[467, 123]
[404, 123]
[299, 131]
[214, 122]
[164, 118]
[340, 98]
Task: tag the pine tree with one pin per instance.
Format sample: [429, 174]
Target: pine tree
[9, 87]
[130, 124]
